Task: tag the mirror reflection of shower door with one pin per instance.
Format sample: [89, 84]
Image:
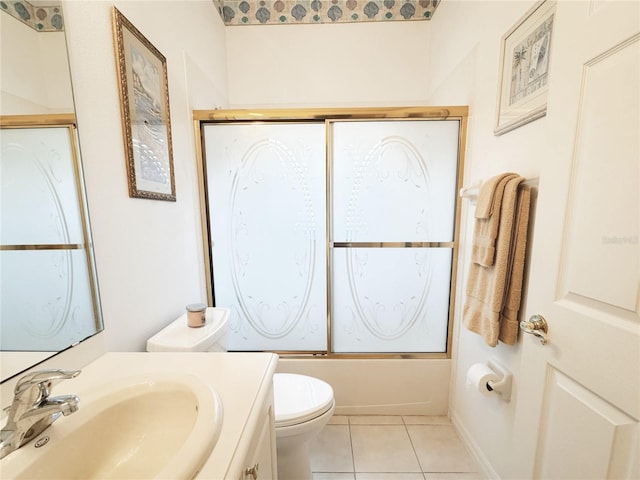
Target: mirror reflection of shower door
[48, 296]
[394, 189]
[266, 194]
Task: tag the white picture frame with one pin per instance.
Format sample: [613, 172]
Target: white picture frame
[524, 68]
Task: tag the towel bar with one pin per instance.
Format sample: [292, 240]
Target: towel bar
[471, 192]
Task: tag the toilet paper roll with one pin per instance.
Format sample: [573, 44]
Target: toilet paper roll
[478, 376]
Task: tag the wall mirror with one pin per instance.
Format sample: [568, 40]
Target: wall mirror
[48, 288]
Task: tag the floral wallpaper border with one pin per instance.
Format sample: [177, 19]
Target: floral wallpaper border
[256, 12]
[41, 19]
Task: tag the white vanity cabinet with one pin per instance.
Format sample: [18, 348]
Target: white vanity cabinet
[246, 448]
[260, 461]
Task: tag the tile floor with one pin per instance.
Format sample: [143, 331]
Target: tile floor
[391, 448]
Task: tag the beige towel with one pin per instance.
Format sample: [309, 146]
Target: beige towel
[486, 205]
[509, 315]
[494, 292]
[487, 216]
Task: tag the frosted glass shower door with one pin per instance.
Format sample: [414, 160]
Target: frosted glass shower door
[46, 300]
[267, 197]
[393, 189]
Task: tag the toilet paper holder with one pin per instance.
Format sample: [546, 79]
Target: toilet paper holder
[503, 385]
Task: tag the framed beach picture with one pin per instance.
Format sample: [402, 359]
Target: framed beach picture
[144, 105]
[524, 68]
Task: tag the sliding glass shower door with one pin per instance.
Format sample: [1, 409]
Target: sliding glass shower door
[334, 237]
[393, 211]
[266, 197]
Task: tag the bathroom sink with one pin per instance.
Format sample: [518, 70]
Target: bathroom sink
[154, 426]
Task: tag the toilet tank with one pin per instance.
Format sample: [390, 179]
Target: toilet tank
[179, 337]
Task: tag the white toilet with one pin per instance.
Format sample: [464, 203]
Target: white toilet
[302, 404]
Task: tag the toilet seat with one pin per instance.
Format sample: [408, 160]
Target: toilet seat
[299, 398]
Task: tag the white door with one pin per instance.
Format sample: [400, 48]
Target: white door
[578, 404]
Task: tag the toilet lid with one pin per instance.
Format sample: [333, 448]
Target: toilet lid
[299, 398]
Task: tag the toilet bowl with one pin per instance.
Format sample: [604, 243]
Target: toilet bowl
[302, 404]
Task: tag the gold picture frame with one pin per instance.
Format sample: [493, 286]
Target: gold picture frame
[524, 68]
[144, 106]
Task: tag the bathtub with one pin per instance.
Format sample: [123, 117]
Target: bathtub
[380, 386]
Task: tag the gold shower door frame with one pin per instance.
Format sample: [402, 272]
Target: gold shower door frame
[329, 116]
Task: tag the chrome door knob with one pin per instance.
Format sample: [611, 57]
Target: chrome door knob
[537, 326]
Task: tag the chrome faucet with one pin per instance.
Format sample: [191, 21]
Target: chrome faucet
[33, 410]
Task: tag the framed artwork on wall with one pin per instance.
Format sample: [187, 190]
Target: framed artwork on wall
[524, 68]
[144, 106]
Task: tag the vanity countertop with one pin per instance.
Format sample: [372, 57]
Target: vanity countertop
[242, 381]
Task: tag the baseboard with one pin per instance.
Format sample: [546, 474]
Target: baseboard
[474, 449]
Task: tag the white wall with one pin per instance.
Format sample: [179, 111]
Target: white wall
[35, 72]
[148, 252]
[355, 64]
